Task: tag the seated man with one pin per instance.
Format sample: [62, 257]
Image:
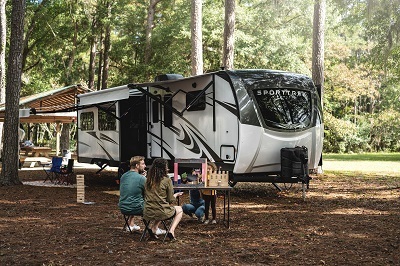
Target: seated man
[131, 190]
[196, 205]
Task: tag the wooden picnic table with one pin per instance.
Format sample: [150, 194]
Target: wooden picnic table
[44, 151]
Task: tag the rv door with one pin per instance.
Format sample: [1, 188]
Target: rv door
[155, 129]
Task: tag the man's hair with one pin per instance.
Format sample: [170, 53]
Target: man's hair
[135, 160]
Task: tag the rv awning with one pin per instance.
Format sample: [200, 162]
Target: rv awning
[54, 106]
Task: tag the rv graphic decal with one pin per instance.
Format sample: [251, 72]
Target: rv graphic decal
[186, 138]
[228, 106]
[107, 138]
[210, 151]
[93, 134]
[187, 141]
[171, 156]
[83, 143]
[157, 137]
[106, 152]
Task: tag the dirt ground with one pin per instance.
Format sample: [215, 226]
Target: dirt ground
[346, 219]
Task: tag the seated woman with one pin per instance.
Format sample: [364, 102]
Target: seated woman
[159, 194]
[196, 205]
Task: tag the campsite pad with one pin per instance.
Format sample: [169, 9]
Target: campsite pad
[345, 220]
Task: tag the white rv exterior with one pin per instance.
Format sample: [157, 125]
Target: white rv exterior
[238, 119]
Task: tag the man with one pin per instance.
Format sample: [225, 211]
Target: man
[131, 190]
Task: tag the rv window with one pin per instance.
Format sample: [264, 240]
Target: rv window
[106, 121]
[87, 121]
[284, 108]
[198, 105]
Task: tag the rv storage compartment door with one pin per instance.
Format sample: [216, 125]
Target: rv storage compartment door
[227, 153]
[294, 164]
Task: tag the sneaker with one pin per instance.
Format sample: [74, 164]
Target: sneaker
[160, 231]
[213, 222]
[133, 228]
[207, 221]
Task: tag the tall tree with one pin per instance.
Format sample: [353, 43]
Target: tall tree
[149, 28]
[93, 50]
[318, 45]
[107, 47]
[229, 34]
[9, 171]
[3, 36]
[197, 38]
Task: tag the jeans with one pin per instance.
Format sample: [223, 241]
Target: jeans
[190, 209]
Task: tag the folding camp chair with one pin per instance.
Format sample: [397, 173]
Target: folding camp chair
[126, 218]
[65, 175]
[51, 174]
[166, 223]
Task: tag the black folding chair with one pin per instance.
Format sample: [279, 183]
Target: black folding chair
[166, 223]
[126, 218]
[65, 175]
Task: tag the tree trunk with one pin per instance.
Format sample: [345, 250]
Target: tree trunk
[318, 46]
[3, 36]
[9, 171]
[64, 139]
[71, 57]
[197, 38]
[93, 50]
[99, 74]
[149, 28]
[229, 34]
[107, 48]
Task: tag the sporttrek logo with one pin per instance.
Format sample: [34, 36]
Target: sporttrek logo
[279, 92]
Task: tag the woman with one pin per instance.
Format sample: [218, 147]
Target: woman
[210, 197]
[159, 194]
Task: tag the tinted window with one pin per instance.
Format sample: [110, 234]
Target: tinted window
[106, 120]
[87, 121]
[199, 104]
[284, 108]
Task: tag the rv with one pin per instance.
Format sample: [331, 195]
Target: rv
[239, 119]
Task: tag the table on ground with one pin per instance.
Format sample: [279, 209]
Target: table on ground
[225, 189]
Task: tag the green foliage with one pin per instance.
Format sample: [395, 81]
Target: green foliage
[342, 136]
[385, 131]
[376, 156]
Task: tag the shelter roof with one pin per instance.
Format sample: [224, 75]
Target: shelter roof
[56, 105]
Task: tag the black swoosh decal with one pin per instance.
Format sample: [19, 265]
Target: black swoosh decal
[208, 148]
[93, 134]
[109, 155]
[196, 148]
[171, 156]
[157, 137]
[230, 107]
[107, 138]
[82, 143]
[186, 138]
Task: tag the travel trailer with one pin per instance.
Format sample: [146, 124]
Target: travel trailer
[239, 119]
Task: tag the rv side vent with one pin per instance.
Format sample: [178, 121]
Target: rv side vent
[168, 77]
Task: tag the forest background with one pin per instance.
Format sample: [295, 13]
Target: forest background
[103, 43]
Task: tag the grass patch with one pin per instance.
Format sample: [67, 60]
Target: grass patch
[387, 157]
